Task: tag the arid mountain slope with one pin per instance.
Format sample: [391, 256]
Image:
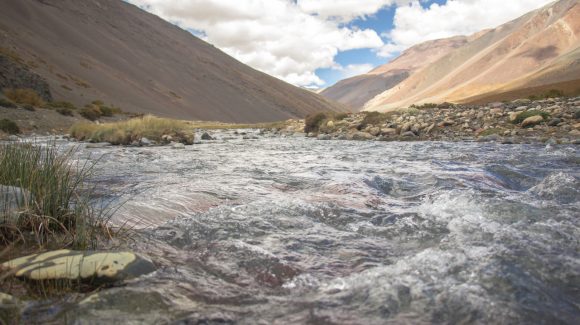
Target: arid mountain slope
[118, 53]
[538, 49]
[356, 91]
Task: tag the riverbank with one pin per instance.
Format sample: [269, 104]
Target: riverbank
[554, 120]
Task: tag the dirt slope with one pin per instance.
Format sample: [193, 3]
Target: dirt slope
[116, 52]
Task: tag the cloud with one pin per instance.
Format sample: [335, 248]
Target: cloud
[284, 38]
[352, 70]
[415, 24]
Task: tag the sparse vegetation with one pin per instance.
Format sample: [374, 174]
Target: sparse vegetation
[65, 111]
[312, 122]
[424, 106]
[524, 115]
[552, 93]
[15, 57]
[61, 104]
[491, 132]
[7, 103]
[91, 112]
[374, 118]
[24, 96]
[9, 126]
[125, 132]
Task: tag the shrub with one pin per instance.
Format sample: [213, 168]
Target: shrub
[65, 111]
[106, 111]
[341, 116]
[98, 102]
[9, 126]
[424, 106]
[29, 107]
[524, 115]
[7, 103]
[552, 93]
[312, 122]
[373, 118]
[91, 113]
[61, 104]
[125, 132]
[24, 96]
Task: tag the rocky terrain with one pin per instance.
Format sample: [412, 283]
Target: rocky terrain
[520, 121]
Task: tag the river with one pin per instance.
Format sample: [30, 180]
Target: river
[299, 231]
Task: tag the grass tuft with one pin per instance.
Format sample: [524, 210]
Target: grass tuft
[55, 206]
[125, 132]
[9, 126]
[24, 96]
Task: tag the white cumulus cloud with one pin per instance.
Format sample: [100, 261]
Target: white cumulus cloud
[415, 24]
[284, 38]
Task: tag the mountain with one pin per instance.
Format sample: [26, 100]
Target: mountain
[527, 56]
[115, 52]
[356, 91]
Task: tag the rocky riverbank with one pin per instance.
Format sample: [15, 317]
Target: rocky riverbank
[554, 120]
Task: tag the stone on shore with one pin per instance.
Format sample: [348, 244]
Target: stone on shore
[100, 266]
[206, 136]
[532, 120]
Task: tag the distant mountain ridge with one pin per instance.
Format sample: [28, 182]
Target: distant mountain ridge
[536, 52]
[113, 51]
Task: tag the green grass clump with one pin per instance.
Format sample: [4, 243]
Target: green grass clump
[424, 106]
[58, 211]
[491, 132]
[552, 93]
[524, 115]
[7, 103]
[125, 132]
[24, 96]
[9, 126]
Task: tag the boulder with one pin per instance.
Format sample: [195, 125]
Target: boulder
[532, 120]
[375, 131]
[178, 146]
[206, 136]
[361, 136]
[145, 142]
[100, 266]
[389, 131]
[324, 137]
[554, 122]
[330, 124]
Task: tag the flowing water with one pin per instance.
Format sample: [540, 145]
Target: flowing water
[300, 231]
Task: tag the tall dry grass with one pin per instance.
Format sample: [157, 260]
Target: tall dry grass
[125, 132]
[24, 96]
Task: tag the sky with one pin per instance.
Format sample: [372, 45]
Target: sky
[315, 43]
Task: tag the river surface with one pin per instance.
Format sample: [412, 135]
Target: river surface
[299, 231]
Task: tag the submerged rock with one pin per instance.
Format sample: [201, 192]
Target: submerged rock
[206, 136]
[178, 146]
[77, 265]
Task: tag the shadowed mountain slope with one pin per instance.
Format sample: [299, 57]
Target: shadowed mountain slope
[115, 52]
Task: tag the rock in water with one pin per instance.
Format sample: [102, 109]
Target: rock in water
[206, 136]
[178, 146]
[77, 265]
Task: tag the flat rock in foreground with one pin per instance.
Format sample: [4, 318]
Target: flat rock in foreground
[73, 265]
